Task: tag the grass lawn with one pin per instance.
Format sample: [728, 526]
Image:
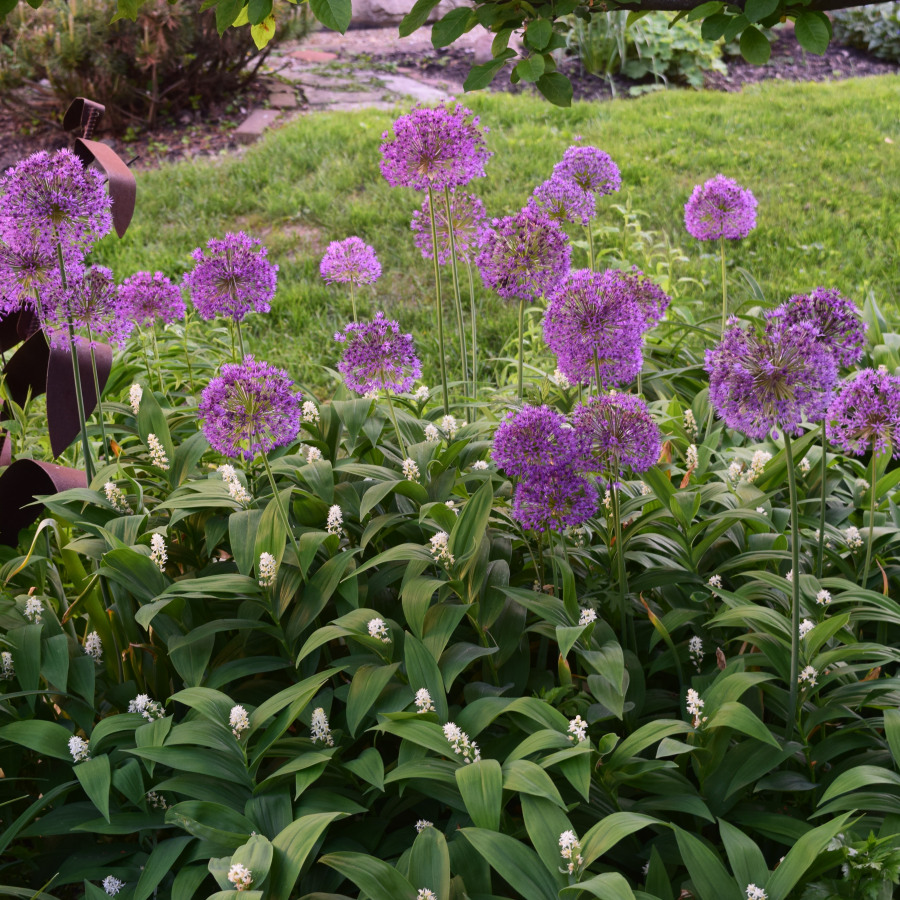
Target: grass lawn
[822, 159]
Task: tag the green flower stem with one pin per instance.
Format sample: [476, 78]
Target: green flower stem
[620, 549]
[724, 284]
[590, 235]
[353, 301]
[597, 373]
[187, 355]
[97, 391]
[284, 516]
[521, 393]
[457, 295]
[162, 388]
[440, 303]
[820, 561]
[240, 337]
[393, 416]
[872, 505]
[473, 315]
[795, 590]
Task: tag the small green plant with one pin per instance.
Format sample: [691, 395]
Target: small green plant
[872, 28]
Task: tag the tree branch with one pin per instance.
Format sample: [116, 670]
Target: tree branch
[687, 5]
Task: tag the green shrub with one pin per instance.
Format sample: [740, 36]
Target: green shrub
[872, 28]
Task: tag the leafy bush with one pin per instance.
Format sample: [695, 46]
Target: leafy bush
[872, 28]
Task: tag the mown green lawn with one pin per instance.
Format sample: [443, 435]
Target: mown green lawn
[822, 159]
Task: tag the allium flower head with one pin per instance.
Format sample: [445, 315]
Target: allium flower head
[533, 439]
[377, 357]
[721, 208]
[90, 301]
[564, 201]
[763, 381]
[151, 296]
[467, 217]
[834, 318]
[591, 169]
[434, 147]
[554, 499]
[319, 729]
[593, 314]
[350, 261]
[249, 409]
[54, 194]
[650, 298]
[232, 278]
[621, 433]
[523, 256]
[865, 414]
[29, 265]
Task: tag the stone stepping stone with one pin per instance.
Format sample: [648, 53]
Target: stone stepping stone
[255, 124]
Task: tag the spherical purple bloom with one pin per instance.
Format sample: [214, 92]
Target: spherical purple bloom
[721, 208]
[350, 261]
[232, 278]
[564, 201]
[523, 256]
[91, 302]
[865, 414]
[467, 217]
[377, 357]
[434, 147]
[55, 195]
[559, 499]
[534, 439]
[651, 299]
[760, 381]
[835, 319]
[591, 169]
[148, 296]
[593, 314]
[29, 265]
[621, 433]
[250, 408]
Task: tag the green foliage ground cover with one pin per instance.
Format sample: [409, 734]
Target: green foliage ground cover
[815, 155]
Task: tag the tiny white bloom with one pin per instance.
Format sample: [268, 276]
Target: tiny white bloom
[607, 500]
[319, 728]
[808, 676]
[158, 551]
[425, 894]
[34, 610]
[757, 464]
[570, 851]
[790, 576]
[690, 424]
[240, 876]
[806, 626]
[695, 650]
[422, 824]
[853, 538]
[422, 393]
[7, 666]
[313, 455]
[238, 720]
[823, 598]
[560, 380]
[410, 470]
[645, 489]
[267, 570]
[115, 496]
[756, 893]
[761, 510]
[93, 646]
[577, 729]
[450, 425]
[734, 472]
[460, 743]
[715, 581]
[862, 484]
[586, 616]
[310, 413]
[478, 465]
[377, 629]
[157, 452]
[236, 490]
[440, 547]
[836, 842]
[695, 706]
[335, 520]
[156, 801]
[135, 393]
[451, 504]
[432, 435]
[424, 702]
[149, 709]
[112, 885]
[804, 465]
[692, 459]
[79, 749]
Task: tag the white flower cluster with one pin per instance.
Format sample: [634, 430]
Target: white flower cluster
[690, 425]
[577, 729]
[377, 629]
[240, 876]
[267, 570]
[314, 454]
[112, 885]
[79, 748]
[646, 491]
[806, 626]
[734, 472]
[691, 458]
[479, 465]
[460, 743]
[715, 582]
[451, 505]
[586, 616]
[157, 452]
[310, 413]
[818, 534]
[761, 510]
[410, 470]
[570, 851]
[115, 496]
[424, 703]
[757, 464]
[607, 500]
[694, 707]
[93, 646]
[7, 666]
[422, 824]
[804, 465]
[156, 801]
[695, 650]
[808, 676]
[236, 490]
[823, 598]
[319, 729]
[432, 435]
[422, 393]
[560, 380]
[790, 576]
[450, 426]
[149, 709]
[853, 538]
[425, 894]
[440, 547]
[135, 393]
[756, 893]
[238, 720]
[34, 610]
[335, 520]
[158, 553]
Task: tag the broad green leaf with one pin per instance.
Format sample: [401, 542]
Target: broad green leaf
[256, 855]
[420, 732]
[755, 46]
[429, 862]
[608, 886]
[741, 718]
[544, 823]
[813, 31]
[242, 528]
[859, 777]
[375, 877]
[160, 862]
[471, 525]
[333, 14]
[423, 672]
[603, 836]
[530, 68]
[96, 779]
[644, 737]
[452, 26]
[756, 10]
[539, 32]
[556, 88]
[45, 738]
[481, 788]
[482, 75]
[368, 766]
[518, 865]
[367, 684]
[892, 733]
[528, 777]
[710, 877]
[746, 859]
[414, 19]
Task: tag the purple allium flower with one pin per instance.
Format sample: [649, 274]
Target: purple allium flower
[523, 256]
[350, 261]
[467, 217]
[535, 439]
[865, 415]
[621, 433]
[233, 278]
[378, 357]
[249, 408]
[721, 208]
[591, 169]
[652, 300]
[593, 313]
[558, 499]
[148, 296]
[835, 319]
[760, 381]
[29, 265]
[434, 147]
[564, 201]
[90, 301]
[55, 195]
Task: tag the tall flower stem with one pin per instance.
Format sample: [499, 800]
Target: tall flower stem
[282, 511]
[393, 416]
[872, 505]
[76, 373]
[240, 337]
[162, 389]
[820, 562]
[590, 235]
[620, 549]
[440, 304]
[187, 355]
[474, 317]
[457, 295]
[795, 589]
[597, 373]
[724, 284]
[521, 350]
[353, 301]
[97, 391]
